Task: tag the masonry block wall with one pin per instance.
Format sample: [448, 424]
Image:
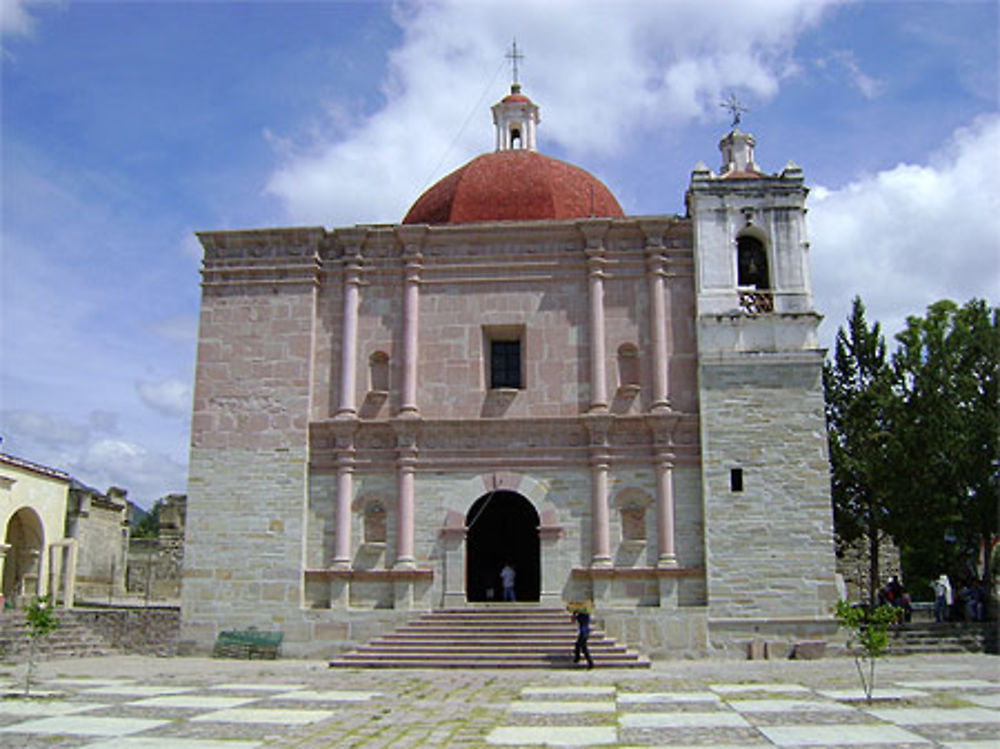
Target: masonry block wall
[249, 446]
[769, 539]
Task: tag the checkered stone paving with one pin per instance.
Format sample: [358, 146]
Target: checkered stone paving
[759, 715]
[195, 704]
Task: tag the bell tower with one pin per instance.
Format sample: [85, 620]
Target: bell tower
[516, 116]
[763, 428]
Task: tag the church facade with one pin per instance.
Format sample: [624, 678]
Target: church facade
[623, 409]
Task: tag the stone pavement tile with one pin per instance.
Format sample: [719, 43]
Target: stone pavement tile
[984, 744]
[44, 708]
[880, 694]
[640, 698]
[328, 695]
[553, 707]
[18, 692]
[588, 691]
[553, 736]
[84, 725]
[65, 681]
[924, 716]
[787, 706]
[170, 742]
[951, 684]
[763, 687]
[840, 735]
[137, 690]
[983, 700]
[264, 715]
[258, 687]
[713, 745]
[192, 701]
[718, 719]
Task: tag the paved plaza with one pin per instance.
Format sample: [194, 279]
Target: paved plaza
[130, 701]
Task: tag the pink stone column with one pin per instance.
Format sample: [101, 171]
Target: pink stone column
[405, 469]
[411, 327]
[600, 527]
[656, 270]
[349, 336]
[598, 376]
[667, 556]
[344, 451]
[345, 491]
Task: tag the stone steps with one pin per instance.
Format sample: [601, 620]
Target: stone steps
[72, 639]
[487, 637]
[944, 637]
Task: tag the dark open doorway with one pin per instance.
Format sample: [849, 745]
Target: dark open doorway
[502, 528]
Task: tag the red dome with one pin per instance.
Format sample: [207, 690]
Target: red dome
[516, 185]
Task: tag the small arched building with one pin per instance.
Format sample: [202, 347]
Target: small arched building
[623, 408]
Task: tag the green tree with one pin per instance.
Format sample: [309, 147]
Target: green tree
[860, 410]
[148, 526]
[868, 637]
[41, 621]
[947, 377]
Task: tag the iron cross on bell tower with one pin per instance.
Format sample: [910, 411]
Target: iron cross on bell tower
[735, 109]
[514, 56]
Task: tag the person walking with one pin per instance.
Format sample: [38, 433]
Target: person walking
[582, 619]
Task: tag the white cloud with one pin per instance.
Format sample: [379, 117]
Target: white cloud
[912, 235]
[16, 17]
[168, 397]
[44, 428]
[92, 452]
[115, 462]
[869, 86]
[656, 65]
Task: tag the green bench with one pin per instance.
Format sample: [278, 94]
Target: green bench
[249, 644]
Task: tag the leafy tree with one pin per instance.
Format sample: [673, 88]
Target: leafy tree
[148, 526]
[947, 375]
[859, 414]
[41, 621]
[868, 637]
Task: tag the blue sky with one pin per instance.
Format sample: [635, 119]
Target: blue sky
[128, 126]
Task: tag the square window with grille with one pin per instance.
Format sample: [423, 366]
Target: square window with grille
[505, 364]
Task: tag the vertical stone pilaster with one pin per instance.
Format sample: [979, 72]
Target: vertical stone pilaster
[656, 273]
[406, 464]
[666, 553]
[412, 239]
[594, 232]
[662, 427]
[349, 332]
[344, 436]
[600, 464]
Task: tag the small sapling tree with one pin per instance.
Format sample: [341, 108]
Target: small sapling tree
[868, 637]
[41, 622]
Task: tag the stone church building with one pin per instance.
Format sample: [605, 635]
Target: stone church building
[625, 409]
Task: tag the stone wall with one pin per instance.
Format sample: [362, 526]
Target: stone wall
[155, 567]
[99, 524]
[247, 473]
[143, 631]
[769, 544]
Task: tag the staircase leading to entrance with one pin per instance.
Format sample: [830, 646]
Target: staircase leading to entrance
[488, 636]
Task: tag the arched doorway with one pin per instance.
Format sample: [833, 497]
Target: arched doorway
[23, 561]
[502, 528]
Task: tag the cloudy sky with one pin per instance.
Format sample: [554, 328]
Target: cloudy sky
[127, 126]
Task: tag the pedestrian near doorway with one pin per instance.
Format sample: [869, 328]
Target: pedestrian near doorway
[507, 577]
